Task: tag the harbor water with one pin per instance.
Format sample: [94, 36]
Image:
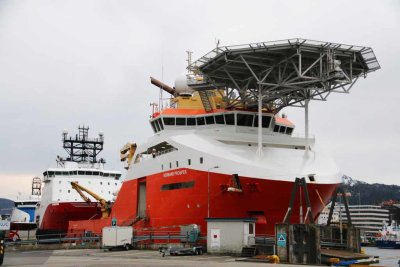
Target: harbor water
[387, 257]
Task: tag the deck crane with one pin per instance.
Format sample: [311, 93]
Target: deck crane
[105, 205]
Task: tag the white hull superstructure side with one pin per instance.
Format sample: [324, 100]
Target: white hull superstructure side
[60, 202]
[283, 159]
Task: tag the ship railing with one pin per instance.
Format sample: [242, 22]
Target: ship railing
[139, 238]
[265, 239]
[168, 236]
[59, 238]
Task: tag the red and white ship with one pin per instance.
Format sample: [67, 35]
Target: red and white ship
[60, 203]
[223, 149]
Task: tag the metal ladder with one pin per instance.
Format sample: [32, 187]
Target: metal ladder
[205, 100]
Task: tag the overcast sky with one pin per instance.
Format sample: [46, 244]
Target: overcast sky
[65, 63]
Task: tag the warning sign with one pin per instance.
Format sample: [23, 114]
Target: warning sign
[282, 240]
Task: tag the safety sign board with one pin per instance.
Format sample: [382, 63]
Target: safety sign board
[281, 240]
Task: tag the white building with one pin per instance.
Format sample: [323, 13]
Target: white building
[369, 218]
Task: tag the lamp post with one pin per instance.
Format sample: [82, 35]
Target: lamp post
[208, 189]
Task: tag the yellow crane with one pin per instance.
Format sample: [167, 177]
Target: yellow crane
[105, 205]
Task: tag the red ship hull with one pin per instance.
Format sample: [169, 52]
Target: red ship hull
[169, 206]
[56, 217]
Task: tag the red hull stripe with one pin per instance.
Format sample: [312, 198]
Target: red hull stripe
[56, 217]
[166, 206]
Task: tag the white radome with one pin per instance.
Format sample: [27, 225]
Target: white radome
[181, 86]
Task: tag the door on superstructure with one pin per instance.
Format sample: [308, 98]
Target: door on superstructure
[142, 198]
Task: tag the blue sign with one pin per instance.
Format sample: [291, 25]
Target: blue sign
[282, 240]
[114, 222]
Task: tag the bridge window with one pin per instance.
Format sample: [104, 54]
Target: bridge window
[157, 126]
[200, 121]
[169, 121]
[230, 119]
[276, 128]
[180, 121]
[191, 122]
[266, 121]
[210, 120]
[282, 129]
[153, 126]
[160, 124]
[219, 119]
[289, 130]
[245, 120]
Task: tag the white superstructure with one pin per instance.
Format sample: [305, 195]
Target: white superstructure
[57, 184]
[221, 139]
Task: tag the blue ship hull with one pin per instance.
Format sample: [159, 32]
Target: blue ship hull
[387, 244]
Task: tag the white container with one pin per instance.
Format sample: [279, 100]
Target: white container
[117, 236]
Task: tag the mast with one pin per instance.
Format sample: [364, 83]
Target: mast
[81, 148]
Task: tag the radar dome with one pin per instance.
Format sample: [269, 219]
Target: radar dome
[181, 86]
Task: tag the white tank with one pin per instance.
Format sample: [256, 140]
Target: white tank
[181, 85]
